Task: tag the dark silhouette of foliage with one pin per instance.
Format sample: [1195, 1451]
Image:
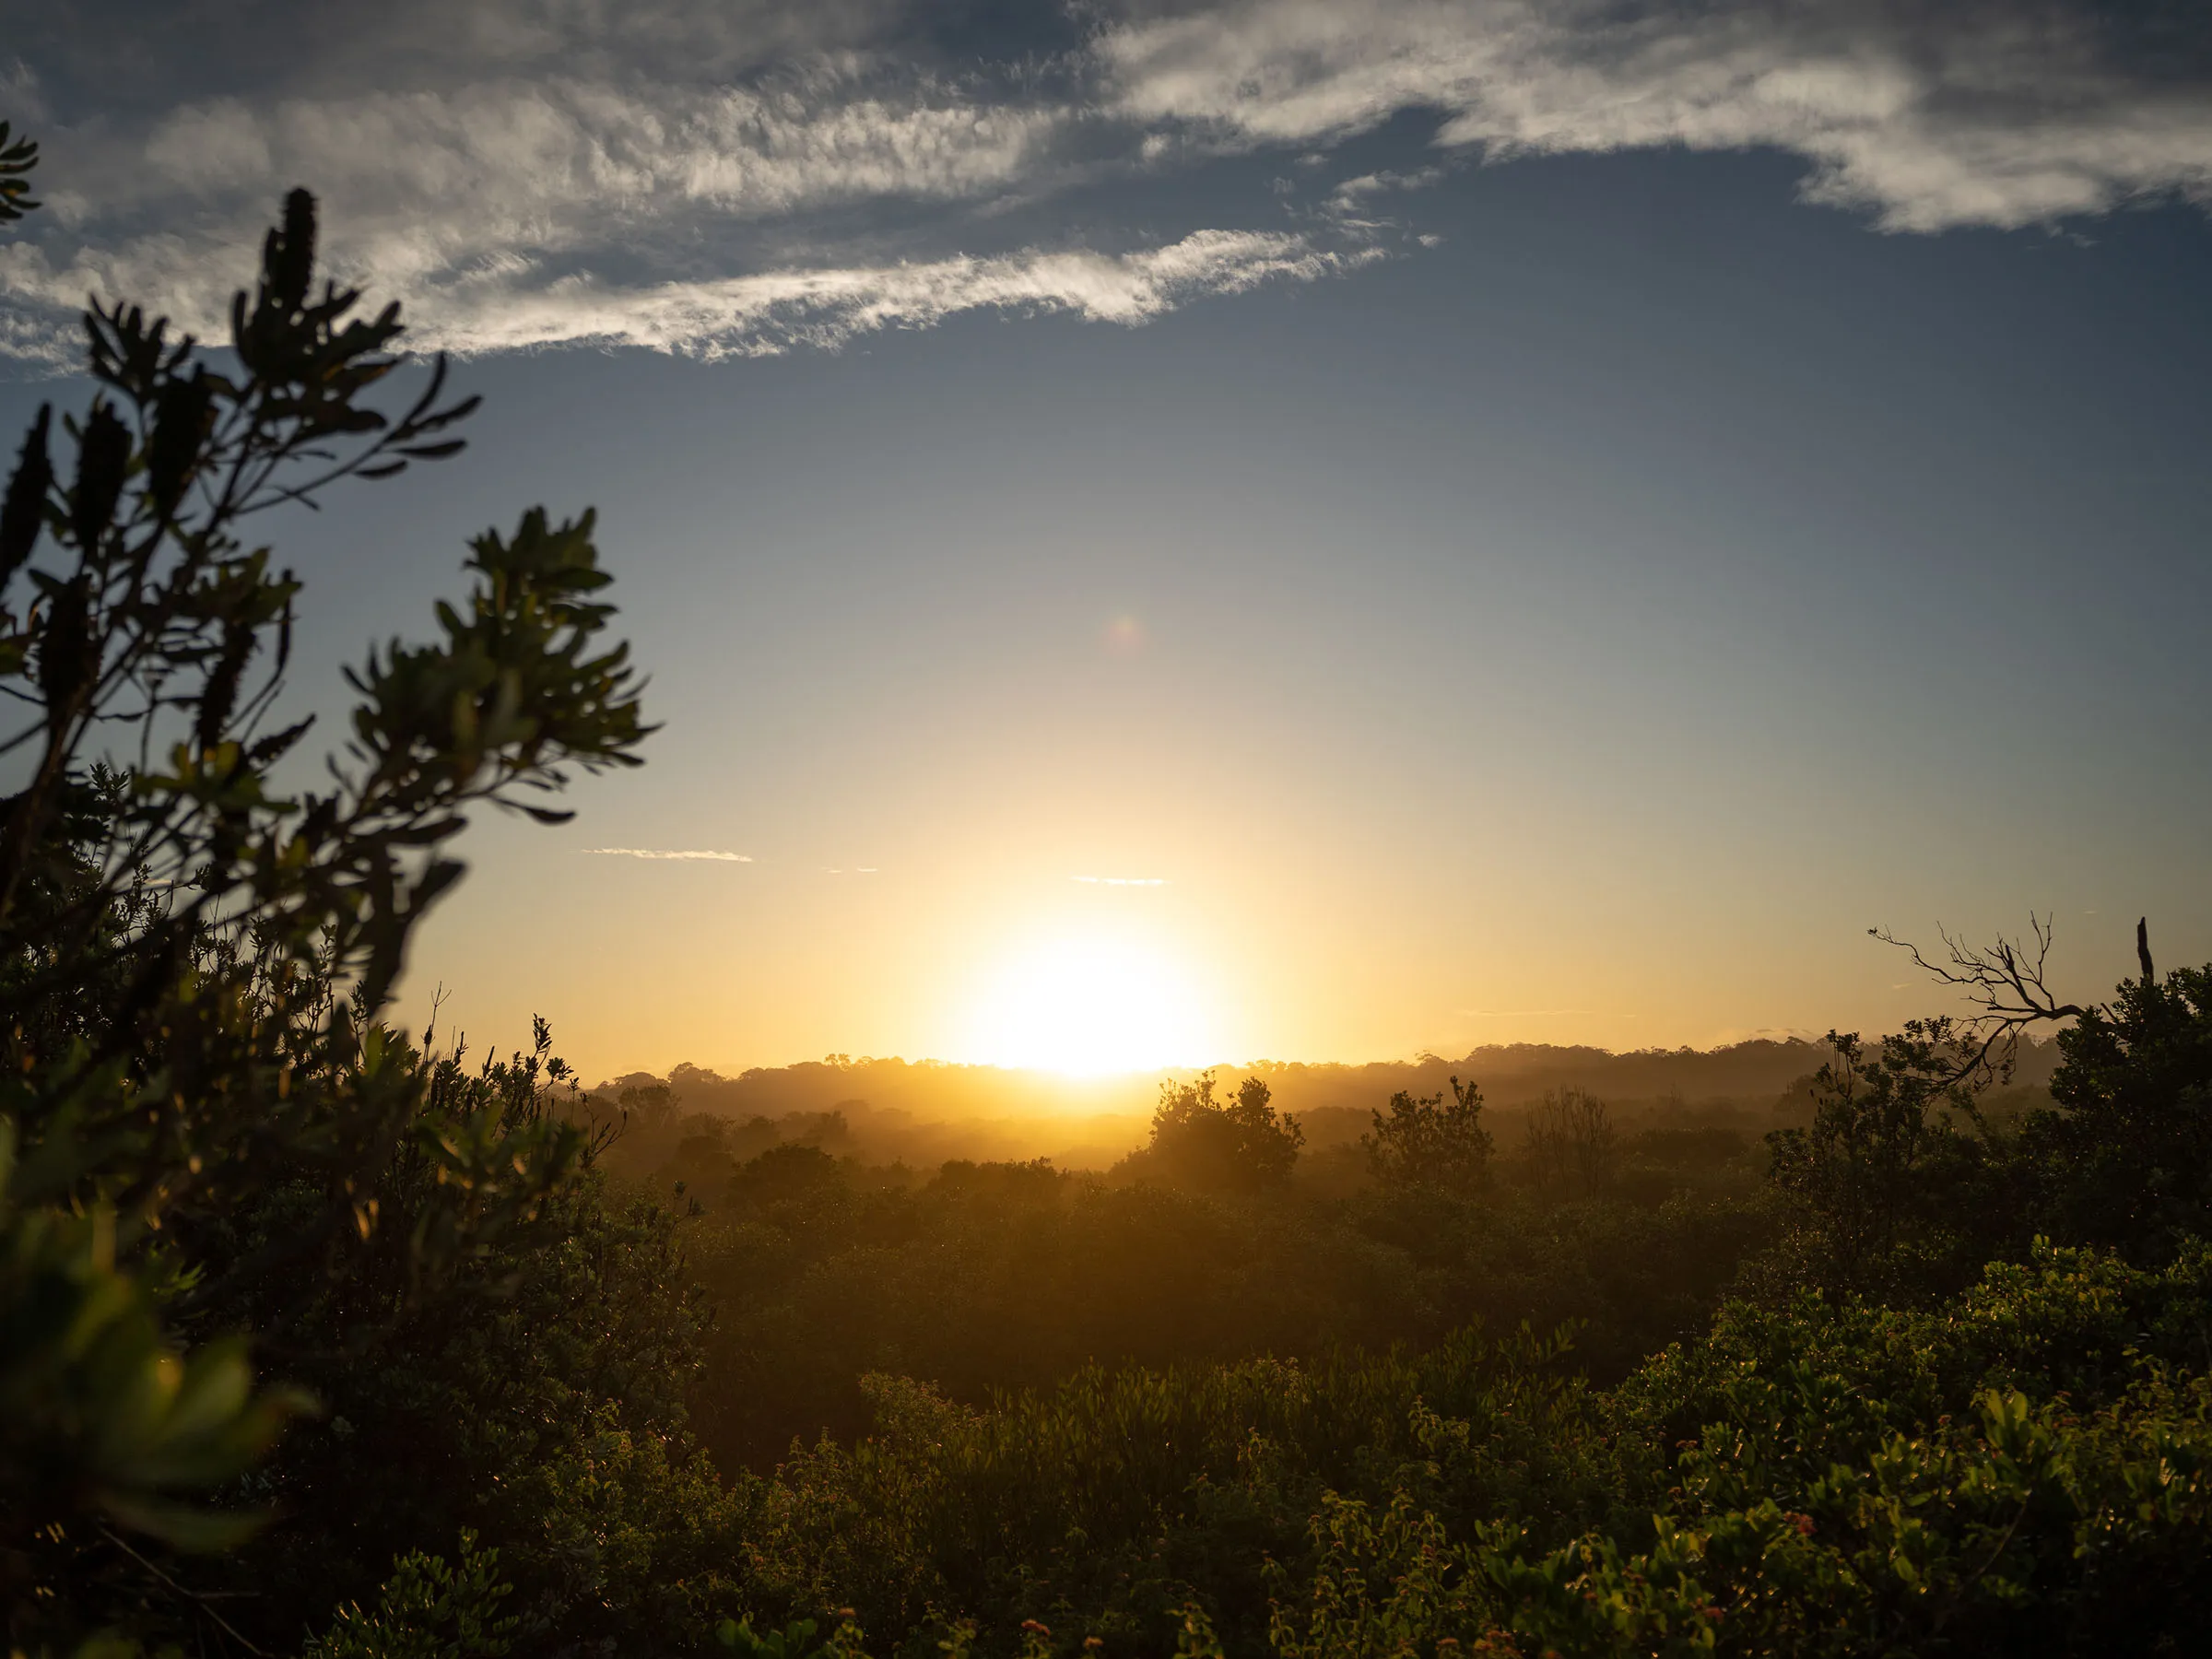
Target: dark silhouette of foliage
[1424, 1142]
[1907, 1183]
[2125, 1159]
[17, 157]
[1241, 1146]
[537, 1400]
[1881, 1150]
[987, 1276]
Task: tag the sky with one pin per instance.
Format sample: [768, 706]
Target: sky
[1176, 533]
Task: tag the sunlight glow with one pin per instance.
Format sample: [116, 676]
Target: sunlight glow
[1088, 1006]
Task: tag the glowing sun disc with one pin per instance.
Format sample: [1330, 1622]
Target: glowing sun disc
[1090, 1006]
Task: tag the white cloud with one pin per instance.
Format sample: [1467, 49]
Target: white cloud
[1527, 1013]
[662, 852]
[429, 188]
[774, 310]
[770, 312]
[1950, 116]
[515, 216]
[555, 154]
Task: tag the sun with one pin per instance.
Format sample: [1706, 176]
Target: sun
[1088, 1006]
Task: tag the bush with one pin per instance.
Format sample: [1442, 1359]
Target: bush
[2010, 1474]
[209, 1144]
[1426, 1143]
[1245, 1145]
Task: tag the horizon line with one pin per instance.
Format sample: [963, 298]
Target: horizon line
[1417, 1061]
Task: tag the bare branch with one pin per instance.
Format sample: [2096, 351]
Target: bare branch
[2007, 981]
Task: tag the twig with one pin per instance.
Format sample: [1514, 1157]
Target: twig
[2007, 981]
[191, 1595]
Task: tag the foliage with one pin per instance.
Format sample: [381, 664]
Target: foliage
[1114, 1499]
[1883, 1154]
[1860, 1462]
[17, 157]
[99, 1416]
[208, 1132]
[2026, 1468]
[1424, 1142]
[1991, 1479]
[997, 1276]
[2125, 1159]
[538, 1402]
[1241, 1146]
[1906, 1182]
[1381, 1584]
[798, 1640]
[426, 1610]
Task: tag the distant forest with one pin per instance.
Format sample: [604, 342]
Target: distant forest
[323, 1339]
[894, 1111]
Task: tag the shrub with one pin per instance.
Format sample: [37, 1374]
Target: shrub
[1243, 1145]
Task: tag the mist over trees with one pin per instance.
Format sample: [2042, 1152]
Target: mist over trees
[317, 1340]
[1511, 1073]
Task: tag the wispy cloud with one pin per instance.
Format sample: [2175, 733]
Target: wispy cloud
[1931, 117]
[510, 305]
[771, 313]
[1136, 881]
[698, 852]
[739, 178]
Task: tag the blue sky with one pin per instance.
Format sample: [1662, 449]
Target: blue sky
[1513, 520]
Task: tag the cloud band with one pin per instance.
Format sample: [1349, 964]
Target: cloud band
[710, 856]
[715, 179]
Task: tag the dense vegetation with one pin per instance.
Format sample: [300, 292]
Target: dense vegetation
[991, 1275]
[315, 1340]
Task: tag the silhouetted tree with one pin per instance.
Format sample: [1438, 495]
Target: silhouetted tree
[649, 1108]
[1570, 1145]
[1867, 1171]
[2122, 1157]
[2125, 1159]
[1425, 1143]
[1243, 1146]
